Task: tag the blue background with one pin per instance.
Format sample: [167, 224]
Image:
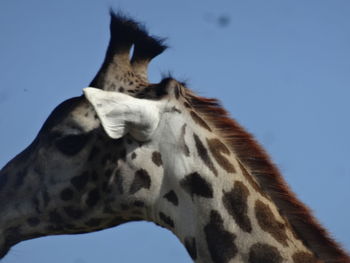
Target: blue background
[280, 67]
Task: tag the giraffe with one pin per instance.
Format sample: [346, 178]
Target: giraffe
[129, 150]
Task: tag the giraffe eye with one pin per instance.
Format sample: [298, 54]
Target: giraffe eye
[71, 144]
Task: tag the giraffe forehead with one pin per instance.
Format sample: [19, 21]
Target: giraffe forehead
[72, 116]
[85, 116]
[60, 113]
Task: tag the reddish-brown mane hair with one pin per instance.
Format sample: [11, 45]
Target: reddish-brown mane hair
[254, 157]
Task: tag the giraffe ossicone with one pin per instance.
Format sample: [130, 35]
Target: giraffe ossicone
[130, 150]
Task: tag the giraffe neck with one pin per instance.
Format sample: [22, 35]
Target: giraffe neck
[216, 208]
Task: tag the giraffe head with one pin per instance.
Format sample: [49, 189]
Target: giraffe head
[69, 180]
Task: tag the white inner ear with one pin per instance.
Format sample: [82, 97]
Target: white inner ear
[121, 114]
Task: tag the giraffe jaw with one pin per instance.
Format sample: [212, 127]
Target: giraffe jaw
[4, 246]
[11, 238]
[3, 252]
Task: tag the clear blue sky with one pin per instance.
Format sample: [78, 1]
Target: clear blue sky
[280, 67]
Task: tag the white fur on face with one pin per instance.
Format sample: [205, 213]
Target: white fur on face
[121, 114]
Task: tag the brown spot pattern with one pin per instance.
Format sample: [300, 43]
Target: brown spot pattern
[177, 92]
[217, 148]
[291, 228]
[199, 120]
[133, 156]
[220, 242]
[235, 203]
[250, 179]
[195, 184]
[166, 219]
[203, 154]
[269, 223]
[172, 197]
[183, 142]
[263, 253]
[303, 257]
[141, 180]
[157, 158]
[190, 245]
[187, 105]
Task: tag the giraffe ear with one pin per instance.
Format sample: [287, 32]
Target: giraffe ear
[121, 114]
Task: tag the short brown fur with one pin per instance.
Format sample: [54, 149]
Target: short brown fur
[303, 257]
[269, 223]
[217, 149]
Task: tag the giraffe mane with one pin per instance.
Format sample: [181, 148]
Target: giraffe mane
[265, 172]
